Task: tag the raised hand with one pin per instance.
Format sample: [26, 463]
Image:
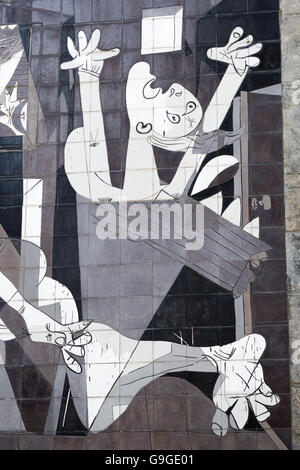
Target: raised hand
[88, 58]
[238, 52]
[241, 384]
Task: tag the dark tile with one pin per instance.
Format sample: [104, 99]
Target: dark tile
[275, 238]
[169, 65]
[132, 9]
[171, 313]
[10, 162]
[266, 148]
[165, 385]
[264, 26]
[111, 95]
[263, 5]
[271, 277]
[207, 31]
[132, 35]
[34, 385]
[264, 442]
[273, 216]
[232, 6]
[268, 308]
[112, 123]
[35, 442]
[8, 442]
[281, 414]
[276, 373]
[167, 412]
[201, 441]
[48, 69]
[15, 376]
[83, 11]
[134, 418]
[200, 412]
[48, 97]
[270, 58]
[69, 443]
[172, 440]
[130, 441]
[107, 11]
[285, 436]
[241, 440]
[277, 341]
[260, 118]
[227, 23]
[100, 441]
[34, 414]
[51, 39]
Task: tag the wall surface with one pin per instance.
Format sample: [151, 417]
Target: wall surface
[143, 234]
[290, 22]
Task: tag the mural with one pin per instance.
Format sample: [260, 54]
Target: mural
[142, 233]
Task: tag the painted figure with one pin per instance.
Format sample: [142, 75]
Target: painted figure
[116, 367]
[172, 120]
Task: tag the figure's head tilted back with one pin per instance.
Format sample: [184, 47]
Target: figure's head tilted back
[173, 114]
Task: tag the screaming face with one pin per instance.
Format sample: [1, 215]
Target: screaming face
[176, 113]
[173, 114]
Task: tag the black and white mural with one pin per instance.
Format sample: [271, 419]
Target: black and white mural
[142, 260]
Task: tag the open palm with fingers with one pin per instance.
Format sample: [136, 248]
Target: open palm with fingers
[241, 384]
[88, 58]
[72, 339]
[238, 52]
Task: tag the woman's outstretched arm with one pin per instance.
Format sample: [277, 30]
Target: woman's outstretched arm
[239, 55]
[86, 158]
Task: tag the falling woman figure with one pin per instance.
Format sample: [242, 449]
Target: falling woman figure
[117, 367]
[172, 120]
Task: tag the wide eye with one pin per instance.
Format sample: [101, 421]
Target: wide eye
[173, 118]
[190, 108]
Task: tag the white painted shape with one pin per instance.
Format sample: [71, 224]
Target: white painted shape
[147, 352]
[233, 212]
[212, 170]
[104, 363]
[51, 292]
[8, 68]
[162, 30]
[32, 210]
[253, 227]
[215, 203]
[5, 333]
[118, 410]
[275, 90]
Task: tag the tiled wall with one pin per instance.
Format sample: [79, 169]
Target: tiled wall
[122, 343]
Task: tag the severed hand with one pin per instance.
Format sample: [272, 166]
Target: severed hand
[241, 384]
[238, 52]
[87, 58]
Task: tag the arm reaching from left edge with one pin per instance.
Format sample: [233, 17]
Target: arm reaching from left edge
[42, 328]
[238, 53]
